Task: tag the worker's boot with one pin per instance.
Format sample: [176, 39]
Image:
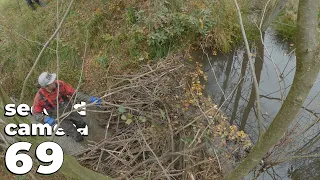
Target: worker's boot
[30, 3]
[78, 137]
[42, 4]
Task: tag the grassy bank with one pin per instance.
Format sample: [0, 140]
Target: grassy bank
[285, 24]
[119, 36]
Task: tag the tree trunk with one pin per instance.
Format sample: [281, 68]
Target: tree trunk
[70, 167]
[307, 69]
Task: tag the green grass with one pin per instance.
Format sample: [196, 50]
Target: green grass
[121, 35]
[285, 24]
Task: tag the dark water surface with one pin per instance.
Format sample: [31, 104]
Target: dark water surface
[275, 69]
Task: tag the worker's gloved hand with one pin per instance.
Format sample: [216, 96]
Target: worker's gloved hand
[50, 121]
[93, 99]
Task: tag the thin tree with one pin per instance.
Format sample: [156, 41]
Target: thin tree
[307, 69]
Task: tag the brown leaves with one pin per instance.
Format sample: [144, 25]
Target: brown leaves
[193, 94]
[231, 134]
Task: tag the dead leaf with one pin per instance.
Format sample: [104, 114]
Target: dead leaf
[129, 121]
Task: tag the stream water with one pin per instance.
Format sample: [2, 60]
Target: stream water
[276, 68]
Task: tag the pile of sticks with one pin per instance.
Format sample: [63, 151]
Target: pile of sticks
[169, 143]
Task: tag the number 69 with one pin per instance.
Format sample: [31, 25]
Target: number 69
[12, 158]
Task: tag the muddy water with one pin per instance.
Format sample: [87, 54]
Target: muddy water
[275, 72]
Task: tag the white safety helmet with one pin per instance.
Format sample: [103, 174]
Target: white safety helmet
[46, 78]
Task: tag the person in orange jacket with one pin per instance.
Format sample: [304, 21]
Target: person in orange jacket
[46, 98]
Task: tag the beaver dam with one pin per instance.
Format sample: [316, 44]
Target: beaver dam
[159, 125]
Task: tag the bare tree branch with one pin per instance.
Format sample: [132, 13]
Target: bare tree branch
[42, 50]
[25, 38]
[256, 86]
[57, 54]
[213, 71]
[261, 29]
[155, 156]
[81, 74]
[4, 139]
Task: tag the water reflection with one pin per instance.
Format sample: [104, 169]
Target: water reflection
[225, 83]
[230, 76]
[244, 66]
[258, 65]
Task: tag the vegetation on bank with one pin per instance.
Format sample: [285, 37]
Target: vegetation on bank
[285, 24]
[119, 36]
